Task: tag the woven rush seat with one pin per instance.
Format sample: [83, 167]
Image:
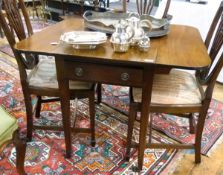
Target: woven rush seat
[185, 89]
[44, 76]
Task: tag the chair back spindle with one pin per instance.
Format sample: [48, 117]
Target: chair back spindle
[213, 42]
[13, 27]
[213, 25]
[165, 13]
[146, 7]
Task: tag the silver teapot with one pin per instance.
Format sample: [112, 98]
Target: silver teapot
[135, 24]
[120, 39]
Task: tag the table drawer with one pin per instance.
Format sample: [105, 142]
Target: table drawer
[105, 74]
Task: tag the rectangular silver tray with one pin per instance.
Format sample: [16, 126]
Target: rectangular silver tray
[83, 39]
[105, 22]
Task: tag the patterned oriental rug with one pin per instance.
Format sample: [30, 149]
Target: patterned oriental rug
[45, 154]
[175, 127]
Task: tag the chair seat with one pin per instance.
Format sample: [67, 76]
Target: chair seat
[8, 125]
[44, 76]
[176, 88]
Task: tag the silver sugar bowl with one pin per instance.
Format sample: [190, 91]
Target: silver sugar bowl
[144, 43]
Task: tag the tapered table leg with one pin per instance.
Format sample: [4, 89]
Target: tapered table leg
[65, 103]
[146, 98]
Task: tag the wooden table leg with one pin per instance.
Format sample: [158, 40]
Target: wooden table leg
[65, 104]
[146, 98]
[98, 90]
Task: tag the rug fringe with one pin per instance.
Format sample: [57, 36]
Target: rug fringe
[172, 165]
[216, 144]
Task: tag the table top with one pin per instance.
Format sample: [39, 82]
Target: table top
[182, 47]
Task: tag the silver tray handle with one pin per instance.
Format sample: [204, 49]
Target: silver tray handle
[87, 13]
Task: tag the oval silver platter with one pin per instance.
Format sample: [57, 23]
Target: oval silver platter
[105, 22]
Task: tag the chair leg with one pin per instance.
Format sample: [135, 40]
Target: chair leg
[92, 118]
[38, 107]
[29, 114]
[131, 119]
[131, 94]
[191, 123]
[20, 146]
[98, 90]
[150, 127]
[199, 130]
[1, 32]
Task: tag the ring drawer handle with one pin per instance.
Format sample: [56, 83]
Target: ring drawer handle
[124, 76]
[79, 71]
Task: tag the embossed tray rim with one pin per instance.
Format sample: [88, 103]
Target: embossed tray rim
[94, 21]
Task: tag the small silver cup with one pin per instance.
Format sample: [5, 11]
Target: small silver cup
[144, 44]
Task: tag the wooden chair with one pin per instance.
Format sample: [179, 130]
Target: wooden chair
[9, 133]
[181, 93]
[203, 73]
[1, 31]
[38, 75]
